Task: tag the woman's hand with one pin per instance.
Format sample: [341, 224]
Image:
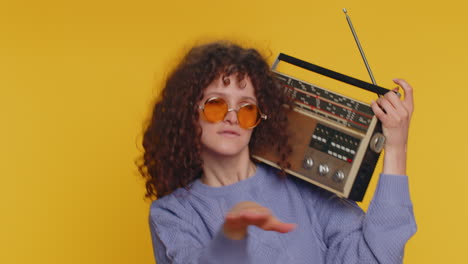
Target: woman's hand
[248, 213]
[395, 115]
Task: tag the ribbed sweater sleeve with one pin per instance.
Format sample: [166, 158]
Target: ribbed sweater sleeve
[377, 236]
[390, 219]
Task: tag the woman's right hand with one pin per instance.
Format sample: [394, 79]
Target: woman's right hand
[248, 213]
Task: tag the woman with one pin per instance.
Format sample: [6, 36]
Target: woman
[216, 205]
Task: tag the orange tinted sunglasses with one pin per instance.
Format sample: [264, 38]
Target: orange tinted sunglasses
[215, 110]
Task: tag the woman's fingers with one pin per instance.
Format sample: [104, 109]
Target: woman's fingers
[246, 214]
[408, 101]
[284, 227]
[395, 115]
[378, 111]
[393, 111]
[383, 110]
[263, 220]
[267, 222]
[403, 107]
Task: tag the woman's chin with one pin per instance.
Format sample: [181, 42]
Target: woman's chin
[226, 150]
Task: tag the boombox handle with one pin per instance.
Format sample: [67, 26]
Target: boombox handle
[329, 73]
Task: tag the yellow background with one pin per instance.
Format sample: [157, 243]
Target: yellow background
[77, 79]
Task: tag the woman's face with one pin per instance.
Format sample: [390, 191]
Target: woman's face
[227, 138]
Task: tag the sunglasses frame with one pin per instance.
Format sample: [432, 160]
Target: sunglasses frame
[262, 116]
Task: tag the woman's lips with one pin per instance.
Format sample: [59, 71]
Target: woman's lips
[229, 133]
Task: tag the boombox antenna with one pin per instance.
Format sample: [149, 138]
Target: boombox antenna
[359, 46]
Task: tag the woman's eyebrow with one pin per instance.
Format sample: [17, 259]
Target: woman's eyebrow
[225, 95]
[214, 94]
[249, 98]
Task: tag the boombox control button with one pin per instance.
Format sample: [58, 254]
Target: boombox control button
[338, 176]
[377, 142]
[323, 169]
[308, 163]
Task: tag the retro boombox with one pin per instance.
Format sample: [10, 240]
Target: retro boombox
[336, 140]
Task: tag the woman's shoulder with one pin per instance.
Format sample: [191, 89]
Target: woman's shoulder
[173, 203]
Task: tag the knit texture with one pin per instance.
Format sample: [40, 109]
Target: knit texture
[186, 225]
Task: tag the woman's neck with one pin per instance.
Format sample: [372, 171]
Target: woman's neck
[221, 171]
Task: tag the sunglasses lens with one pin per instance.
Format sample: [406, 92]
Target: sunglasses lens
[215, 110]
[248, 116]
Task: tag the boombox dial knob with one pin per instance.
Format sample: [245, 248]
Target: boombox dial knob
[338, 176]
[308, 163]
[323, 169]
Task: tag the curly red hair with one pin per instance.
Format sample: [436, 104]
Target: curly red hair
[171, 140]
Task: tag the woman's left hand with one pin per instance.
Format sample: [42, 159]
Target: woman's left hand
[395, 115]
[249, 213]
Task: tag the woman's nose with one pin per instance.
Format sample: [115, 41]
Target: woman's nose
[231, 116]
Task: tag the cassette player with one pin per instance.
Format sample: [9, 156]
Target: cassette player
[336, 140]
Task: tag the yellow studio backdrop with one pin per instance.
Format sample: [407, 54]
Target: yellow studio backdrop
[77, 79]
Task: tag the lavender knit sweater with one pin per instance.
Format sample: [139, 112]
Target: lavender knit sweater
[186, 225]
